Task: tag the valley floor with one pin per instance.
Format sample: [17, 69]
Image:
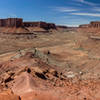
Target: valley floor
[61, 65]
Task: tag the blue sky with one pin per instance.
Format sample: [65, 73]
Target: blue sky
[64, 12]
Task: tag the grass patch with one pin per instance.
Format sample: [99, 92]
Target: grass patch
[80, 48]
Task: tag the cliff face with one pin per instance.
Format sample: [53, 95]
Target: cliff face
[16, 25]
[93, 27]
[11, 22]
[64, 27]
[43, 25]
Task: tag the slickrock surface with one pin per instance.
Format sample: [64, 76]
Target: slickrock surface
[24, 83]
[41, 95]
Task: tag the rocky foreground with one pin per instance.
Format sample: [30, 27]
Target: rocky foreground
[26, 76]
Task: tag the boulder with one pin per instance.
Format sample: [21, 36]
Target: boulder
[24, 83]
[53, 72]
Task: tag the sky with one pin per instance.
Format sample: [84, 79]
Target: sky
[62, 12]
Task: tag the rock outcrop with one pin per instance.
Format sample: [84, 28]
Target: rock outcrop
[24, 83]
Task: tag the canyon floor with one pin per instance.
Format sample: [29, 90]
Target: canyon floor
[56, 65]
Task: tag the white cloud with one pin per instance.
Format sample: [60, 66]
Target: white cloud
[87, 14]
[86, 2]
[65, 9]
[12, 15]
[73, 25]
[69, 25]
[96, 9]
